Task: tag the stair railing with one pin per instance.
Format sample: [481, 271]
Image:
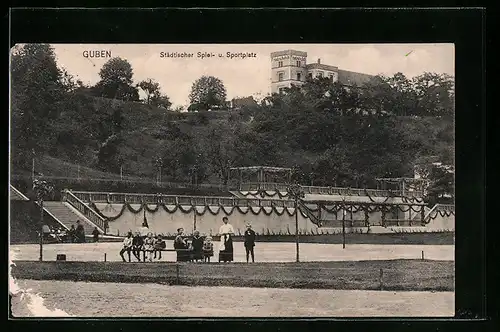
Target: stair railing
[438, 207]
[314, 218]
[90, 214]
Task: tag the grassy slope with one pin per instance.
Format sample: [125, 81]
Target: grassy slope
[402, 275]
[139, 168]
[145, 128]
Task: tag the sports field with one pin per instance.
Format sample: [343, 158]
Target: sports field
[60, 297]
[264, 252]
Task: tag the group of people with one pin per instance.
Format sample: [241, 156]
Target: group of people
[76, 235]
[201, 248]
[188, 249]
[73, 235]
[150, 246]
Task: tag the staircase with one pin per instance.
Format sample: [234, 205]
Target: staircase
[68, 216]
[314, 219]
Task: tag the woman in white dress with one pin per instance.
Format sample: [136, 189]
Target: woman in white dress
[226, 233]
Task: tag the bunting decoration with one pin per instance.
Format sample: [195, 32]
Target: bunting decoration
[264, 193]
[199, 210]
[334, 208]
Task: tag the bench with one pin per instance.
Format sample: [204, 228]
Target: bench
[166, 250]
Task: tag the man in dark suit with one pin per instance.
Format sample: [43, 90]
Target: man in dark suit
[249, 242]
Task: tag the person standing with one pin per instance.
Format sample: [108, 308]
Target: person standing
[80, 232]
[208, 248]
[197, 246]
[95, 234]
[180, 245]
[127, 247]
[249, 242]
[72, 234]
[226, 233]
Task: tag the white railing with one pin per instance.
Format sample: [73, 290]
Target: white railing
[90, 214]
[317, 190]
[440, 207]
[120, 198]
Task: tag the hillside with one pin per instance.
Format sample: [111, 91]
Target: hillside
[246, 137]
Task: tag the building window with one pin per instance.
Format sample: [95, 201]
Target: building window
[298, 77]
[280, 63]
[331, 76]
[281, 76]
[298, 63]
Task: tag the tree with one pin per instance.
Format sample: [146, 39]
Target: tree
[161, 102]
[441, 187]
[208, 91]
[434, 94]
[116, 81]
[42, 190]
[153, 94]
[151, 88]
[37, 89]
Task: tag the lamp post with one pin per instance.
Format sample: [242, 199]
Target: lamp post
[296, 193]
[343, 223]
[41, 189]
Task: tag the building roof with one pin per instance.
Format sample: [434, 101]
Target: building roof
[353, 78]
[287, 52]
[321, 66]
[246, 101]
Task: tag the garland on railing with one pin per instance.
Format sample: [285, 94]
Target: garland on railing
[165, 207]
[267, 210]
[263, 193]
[407, 199]
[354, 209]
[446, 213]
[374, 201]
[122, 210]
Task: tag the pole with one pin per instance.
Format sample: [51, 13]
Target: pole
[32, 169]
[343, 227]
[121, 172]
[194, 223]
[297, 229]
[41, 230]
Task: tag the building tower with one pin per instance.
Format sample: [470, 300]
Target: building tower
[287, 67]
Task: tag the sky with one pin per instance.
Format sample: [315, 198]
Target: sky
[250, 76]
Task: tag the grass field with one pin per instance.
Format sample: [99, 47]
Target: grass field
[396, 275]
